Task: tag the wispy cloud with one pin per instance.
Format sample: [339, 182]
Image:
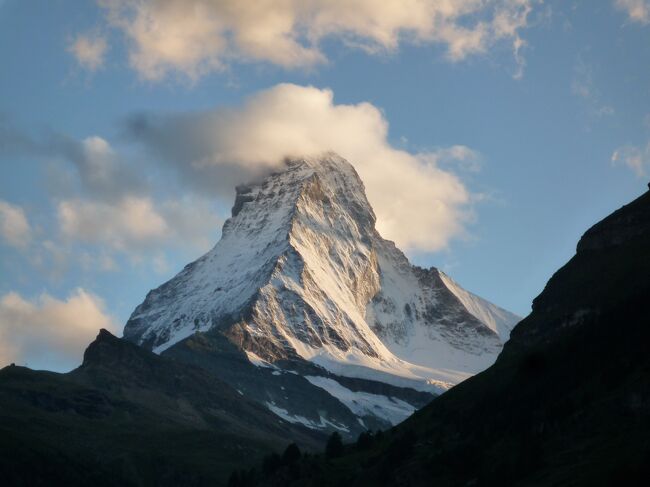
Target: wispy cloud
[195, 37]
[137, 225]
[89, 50]
[15, 229]
[101, 172]
[104, 203]
[126, 224]
[584, 87]
[633, 157]
[637, 10]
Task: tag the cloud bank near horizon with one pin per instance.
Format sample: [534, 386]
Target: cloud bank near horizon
[46, 331]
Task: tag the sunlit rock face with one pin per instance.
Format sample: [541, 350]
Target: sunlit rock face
[302, 275]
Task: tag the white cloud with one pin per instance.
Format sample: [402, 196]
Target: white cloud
[635, 158]
[194, 37]
[48, 332]
[130, 223]
[102, 173]
[89, 51]
[107, 202]
[637, 10]
[418, 204]
[118, 208]
[14, 226]
[96, 162]
[136, 225]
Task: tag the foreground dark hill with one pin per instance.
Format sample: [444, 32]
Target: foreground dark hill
[566, 403]
[129, 417]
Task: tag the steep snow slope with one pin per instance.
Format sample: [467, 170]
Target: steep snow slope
[498, 319]
[300, 273]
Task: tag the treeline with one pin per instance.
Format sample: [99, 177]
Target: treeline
[294, 464]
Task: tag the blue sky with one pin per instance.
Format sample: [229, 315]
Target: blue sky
[531, 118]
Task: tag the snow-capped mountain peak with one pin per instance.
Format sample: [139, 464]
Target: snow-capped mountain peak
[301, 273]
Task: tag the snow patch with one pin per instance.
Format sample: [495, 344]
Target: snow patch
[497, 319]
[362, 404]
[297, 419]
[260, 362]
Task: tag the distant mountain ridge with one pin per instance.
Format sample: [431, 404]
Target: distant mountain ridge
[302, 281]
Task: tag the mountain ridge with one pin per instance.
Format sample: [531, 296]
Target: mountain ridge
[566, 403]
[302, 282]
[129, 417]
[317, 282]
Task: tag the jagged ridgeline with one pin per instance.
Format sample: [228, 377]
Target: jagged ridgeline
[342, 331]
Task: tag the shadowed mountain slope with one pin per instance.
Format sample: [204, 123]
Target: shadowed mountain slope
[129, 417]
[566, 403]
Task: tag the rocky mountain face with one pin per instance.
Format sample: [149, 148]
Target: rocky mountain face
[566, 403]
[301, 288]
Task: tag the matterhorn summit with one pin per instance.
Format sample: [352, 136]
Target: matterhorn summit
[302, 284]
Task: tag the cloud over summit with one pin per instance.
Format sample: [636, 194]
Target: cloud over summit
[419, 205]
